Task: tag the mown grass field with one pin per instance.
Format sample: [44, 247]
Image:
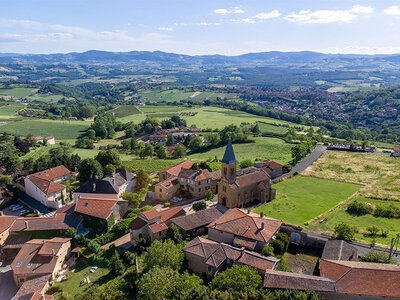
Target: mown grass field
[215, 117]
[149, 165]
[361, 222]
[61, 129]
[264, 148]
[268, 128]
[301, 198]
[18, 92]
[380, 174]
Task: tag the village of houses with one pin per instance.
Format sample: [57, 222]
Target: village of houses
[226, 233]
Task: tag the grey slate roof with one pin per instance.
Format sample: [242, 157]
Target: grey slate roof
[229, 155]
[102, 187]
[339, 250]
[198, 219]
[287, 280]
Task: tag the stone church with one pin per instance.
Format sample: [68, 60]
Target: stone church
[240, 187]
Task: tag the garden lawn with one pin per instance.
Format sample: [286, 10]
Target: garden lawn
[264, 148]
[61, 129]
[72, 285]
[360, 222]
[301, 199]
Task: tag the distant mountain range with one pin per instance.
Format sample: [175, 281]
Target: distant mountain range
[303, 59]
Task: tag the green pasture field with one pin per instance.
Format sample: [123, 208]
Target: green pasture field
[215, 117]
[17, 92]
[301, 198]
[380, 174]
[10, 110]
[167, 96]
[268, 128]
[264, 148]
[361, 222]
[60, 129]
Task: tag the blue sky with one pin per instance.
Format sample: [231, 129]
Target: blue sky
[201, 26]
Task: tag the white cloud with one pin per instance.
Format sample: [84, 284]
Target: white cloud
[165, 28]
[329, 16]
[237, 10]
[393, 10]
[248, 20]
[209, 24]
[221, 11]
[224, 11]
[270, 15]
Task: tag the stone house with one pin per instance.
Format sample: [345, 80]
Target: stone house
[206, 257]
[181, 178]
[273, 168]
[240, 187]
[39, 258]
[152, 224]
[241, 229]
[5, 224]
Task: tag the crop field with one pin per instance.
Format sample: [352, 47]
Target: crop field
[167, 96]
[301, 198]
[361, 222]
[40, 127]
[10, 110]
[264, 148]
[125, 110]
[380, 174]
[149, 165]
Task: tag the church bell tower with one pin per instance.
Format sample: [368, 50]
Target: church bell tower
[229, 162]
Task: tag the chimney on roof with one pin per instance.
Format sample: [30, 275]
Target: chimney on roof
[262, 226]
[53, 253]
[261, 215]
[241, 251]
[26, 224]
[94, 187]
[215, 224]
[1, 213]
[248, 211]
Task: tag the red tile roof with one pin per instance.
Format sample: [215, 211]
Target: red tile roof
[46, 186]
[361, 278]
[29, 260]
[251, 178]
[396, 148]
[198, 219]
[6, 222]
[31, 289]
[216, 253]
[52, 173]
[137, 224]
[203, 175]
[169, 182]
[172, 212]
[158, 226]
[175, 169]
[245, 225]
[100, 208]
[151, 214]
[273, 164]
[58, 222]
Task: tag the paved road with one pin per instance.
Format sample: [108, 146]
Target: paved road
[304, 163]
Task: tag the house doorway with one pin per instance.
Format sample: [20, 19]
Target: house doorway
[223, 201]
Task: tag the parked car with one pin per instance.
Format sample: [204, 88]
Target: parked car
[92, 270]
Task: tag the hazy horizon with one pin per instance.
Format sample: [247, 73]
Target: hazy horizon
[210, 27]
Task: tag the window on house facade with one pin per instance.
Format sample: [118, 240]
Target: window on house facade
[210, 269]
[199, 190]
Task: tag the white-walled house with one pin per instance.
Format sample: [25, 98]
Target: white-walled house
[51, 140]
[47, 192]
[44, 186]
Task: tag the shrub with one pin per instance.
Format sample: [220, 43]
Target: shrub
[373, 231]
[358, 208]
[278, 246]
[199, 206]
[377, 257]
[167, 204]
[343, 231]
[94, 246]
[268, 251]
[209, 195]
[173, 234]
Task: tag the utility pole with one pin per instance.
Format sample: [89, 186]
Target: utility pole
[395, 241]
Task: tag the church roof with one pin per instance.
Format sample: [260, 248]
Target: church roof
[229, 155]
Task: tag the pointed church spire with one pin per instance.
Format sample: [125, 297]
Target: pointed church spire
[229, 155]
